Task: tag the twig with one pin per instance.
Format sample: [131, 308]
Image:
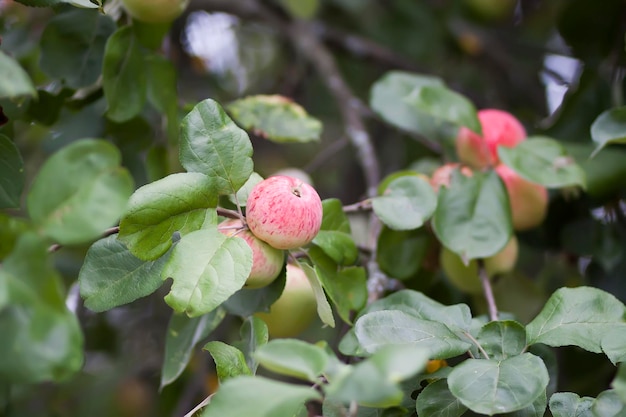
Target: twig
[202, 404]
[478, 345]
[488, 291]
[231, 214]
[360, 206]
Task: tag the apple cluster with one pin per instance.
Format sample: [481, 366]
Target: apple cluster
[528, 201]
[282, 213]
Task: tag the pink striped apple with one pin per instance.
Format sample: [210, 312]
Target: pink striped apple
[499, 128]
[528, 200]
[267, 262]
[284, 212]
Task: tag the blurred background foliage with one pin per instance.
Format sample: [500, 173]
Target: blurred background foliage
[555, 64]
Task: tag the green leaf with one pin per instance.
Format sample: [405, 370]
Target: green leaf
[536, 409]
[183, 334]
[436, 400]
[473, 218]
[42, 340]
[220, 267]
[613, 343]
[568, 404]
[323, 307]
[177, 203]
[406, 203]
[11, 174]
[619, 382]
[499, 386]
[293, 357]
[334, 218]
[229, 361]
[608, 404]
[609, 127]
[80, 191]
[276, 118]
[401, 253]
[123, 79]
[246, 302]
[213, 145]
[72, 46]
[576, 316]
[264, 398]
[394, 327]
[502, 339]
[387, 98]
[339, 246]
[11, 228]
[254, 334]
[444, 106]
[544, 161]
[111, 276]
[241, 197]
[15, 82]
[374, 381]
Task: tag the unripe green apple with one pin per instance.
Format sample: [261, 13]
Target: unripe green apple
[284, 212]
[499, 128]
[465, 277]
[155, 11]
[528, 200]
[295, 309]
[267, 262]
[443, 175]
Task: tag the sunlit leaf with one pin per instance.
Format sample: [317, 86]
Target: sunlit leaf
[212, 144]
[220, 267]
[276, 118]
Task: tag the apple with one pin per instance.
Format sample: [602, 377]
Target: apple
[528, 200]
[465, 277]
[443, 175]
[295, 309]
[499, 128]
[155, 11]
[284, 212]
[267, 262]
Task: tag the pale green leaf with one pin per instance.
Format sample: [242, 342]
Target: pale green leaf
[293, 357]
[568, 404]
[609, 127]
[406, 204]
[229, 361]
[15, 82]
[324, 310]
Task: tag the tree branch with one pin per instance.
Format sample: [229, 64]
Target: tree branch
[488, 291]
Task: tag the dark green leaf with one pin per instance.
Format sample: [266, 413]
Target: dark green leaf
[220, 267]
[473, 218]
[11, 228]
[401, 253]
[406, 204]
[334, 218]
[213, 145]
[229, 361]
[436, 400]
[123, 78]
[183, 333]
[15, 82]
[544, 161]
[264, 398]
[502, 339]
[246, 302]
[11, 174]
[337, 245]
[177, 203]
[576, 316]
[493, 387]
[72, 46]
[568, 404]
[394, 327]
[80, 191]
[111, 276]
[276, 118]
[293, 357]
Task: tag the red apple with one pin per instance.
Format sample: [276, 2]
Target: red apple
[295, 309]
[267, 262]
[443, 175]
[155, 11]
[499, 128]
[284, 212]
[465, 277]
[529, 201]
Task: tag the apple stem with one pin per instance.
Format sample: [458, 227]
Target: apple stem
[488, 291]
[297, 190]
